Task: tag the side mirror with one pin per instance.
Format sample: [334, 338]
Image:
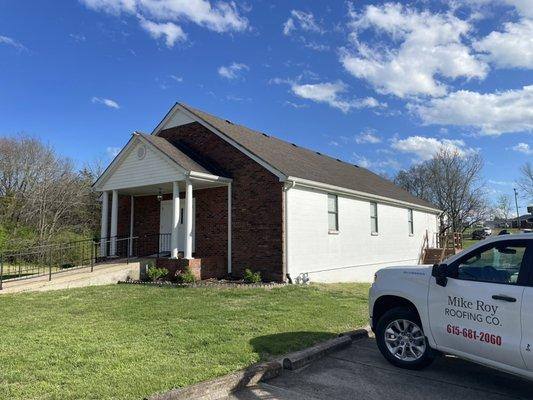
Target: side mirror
[439, 272]
[442, 272]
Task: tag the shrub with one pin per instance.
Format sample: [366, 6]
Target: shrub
[252, 277]
[67, 265]
[155, 274]
[185, 276]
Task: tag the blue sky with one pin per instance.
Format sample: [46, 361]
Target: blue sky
[384, 85]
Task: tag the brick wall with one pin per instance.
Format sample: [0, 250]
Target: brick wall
[257, 236]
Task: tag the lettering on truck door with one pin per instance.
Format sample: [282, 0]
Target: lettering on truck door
[478, 312]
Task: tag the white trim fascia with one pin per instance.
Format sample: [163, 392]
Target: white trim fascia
[281, 176]
[170, 113]
[208, 177]
[361, 195]
[97, 185]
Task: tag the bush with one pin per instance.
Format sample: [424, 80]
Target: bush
[185, 276]
[155, 274]
[252, 277]
[67, 265]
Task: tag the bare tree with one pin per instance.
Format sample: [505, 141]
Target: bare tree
[525, 181]
[40, 191]
[415, 180]
[452, 182]
[503, 207]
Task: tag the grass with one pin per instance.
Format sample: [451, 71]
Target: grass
[126, 341]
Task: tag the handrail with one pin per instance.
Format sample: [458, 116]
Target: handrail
[55, 258]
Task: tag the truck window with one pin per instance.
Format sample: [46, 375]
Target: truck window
[499, 263]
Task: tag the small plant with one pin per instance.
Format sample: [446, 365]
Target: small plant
[251, 277]
[67, 265]
[184, 276]
[155, 274]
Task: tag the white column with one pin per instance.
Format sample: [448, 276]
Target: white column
[175, 220]
[229, 228]
[114, 224]
[188, 219]
[103, 224]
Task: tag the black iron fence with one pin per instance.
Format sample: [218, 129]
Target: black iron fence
[47, 260]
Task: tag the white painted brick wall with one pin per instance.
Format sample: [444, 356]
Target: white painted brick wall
[353, 254]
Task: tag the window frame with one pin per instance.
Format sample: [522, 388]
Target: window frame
[525, 276]
[411, 221]
[335, 212]
[374, 206]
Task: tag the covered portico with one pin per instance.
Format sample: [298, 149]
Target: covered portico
[152, 186]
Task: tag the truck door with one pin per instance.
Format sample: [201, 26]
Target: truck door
[478, 312]
[527, 313]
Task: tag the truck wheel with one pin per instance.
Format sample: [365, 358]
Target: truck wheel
[401, 340]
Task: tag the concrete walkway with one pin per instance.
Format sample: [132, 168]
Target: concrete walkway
[103, 274]
[360, 372]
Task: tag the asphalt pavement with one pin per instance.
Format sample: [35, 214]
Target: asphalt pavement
[360, 372]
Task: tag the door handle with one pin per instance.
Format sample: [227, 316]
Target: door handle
[504, 298]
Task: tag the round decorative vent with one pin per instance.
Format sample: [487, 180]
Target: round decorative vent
[141, 152]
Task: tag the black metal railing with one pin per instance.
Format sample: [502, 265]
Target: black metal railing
[47, 260]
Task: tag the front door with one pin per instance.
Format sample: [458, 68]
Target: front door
[478, 313]
[165, 225]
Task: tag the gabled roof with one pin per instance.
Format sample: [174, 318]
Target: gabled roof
[295, 161]
[180, 161]
[176, 155]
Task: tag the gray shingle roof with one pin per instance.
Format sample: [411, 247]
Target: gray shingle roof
[174, 153]
[299, 162]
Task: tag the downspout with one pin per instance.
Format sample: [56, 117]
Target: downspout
[286, 187]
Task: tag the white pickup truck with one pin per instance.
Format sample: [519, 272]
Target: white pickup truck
[477, 305]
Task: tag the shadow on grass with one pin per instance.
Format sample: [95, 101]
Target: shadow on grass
[270, 346]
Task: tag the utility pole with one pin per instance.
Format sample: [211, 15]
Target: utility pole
[517, 213]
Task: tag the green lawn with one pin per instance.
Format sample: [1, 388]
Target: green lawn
[126, 342]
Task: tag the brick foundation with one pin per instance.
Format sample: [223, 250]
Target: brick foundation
[202, 268]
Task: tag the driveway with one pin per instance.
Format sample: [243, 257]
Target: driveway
[360, 372]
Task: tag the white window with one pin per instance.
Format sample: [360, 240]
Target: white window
[333, 213]
[374, 218]
[410, 221]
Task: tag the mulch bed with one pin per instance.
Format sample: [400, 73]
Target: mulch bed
[207, 283]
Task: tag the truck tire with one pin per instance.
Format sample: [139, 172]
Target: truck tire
[402, 341]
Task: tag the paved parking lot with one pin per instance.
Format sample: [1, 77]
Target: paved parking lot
[360, 372]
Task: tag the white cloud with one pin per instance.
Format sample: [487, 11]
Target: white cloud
[11, 42]
[112, 152]
[232, 71]
[170, 31]
[523, 7]
[177, 78]
[425, 47]
[426, 147]
[367, 137]
[523, 148]
[220, 17]
[331, 93]
[303, 20]
[107, 102]
[379, 166]
[513, 47]
[491, 113]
